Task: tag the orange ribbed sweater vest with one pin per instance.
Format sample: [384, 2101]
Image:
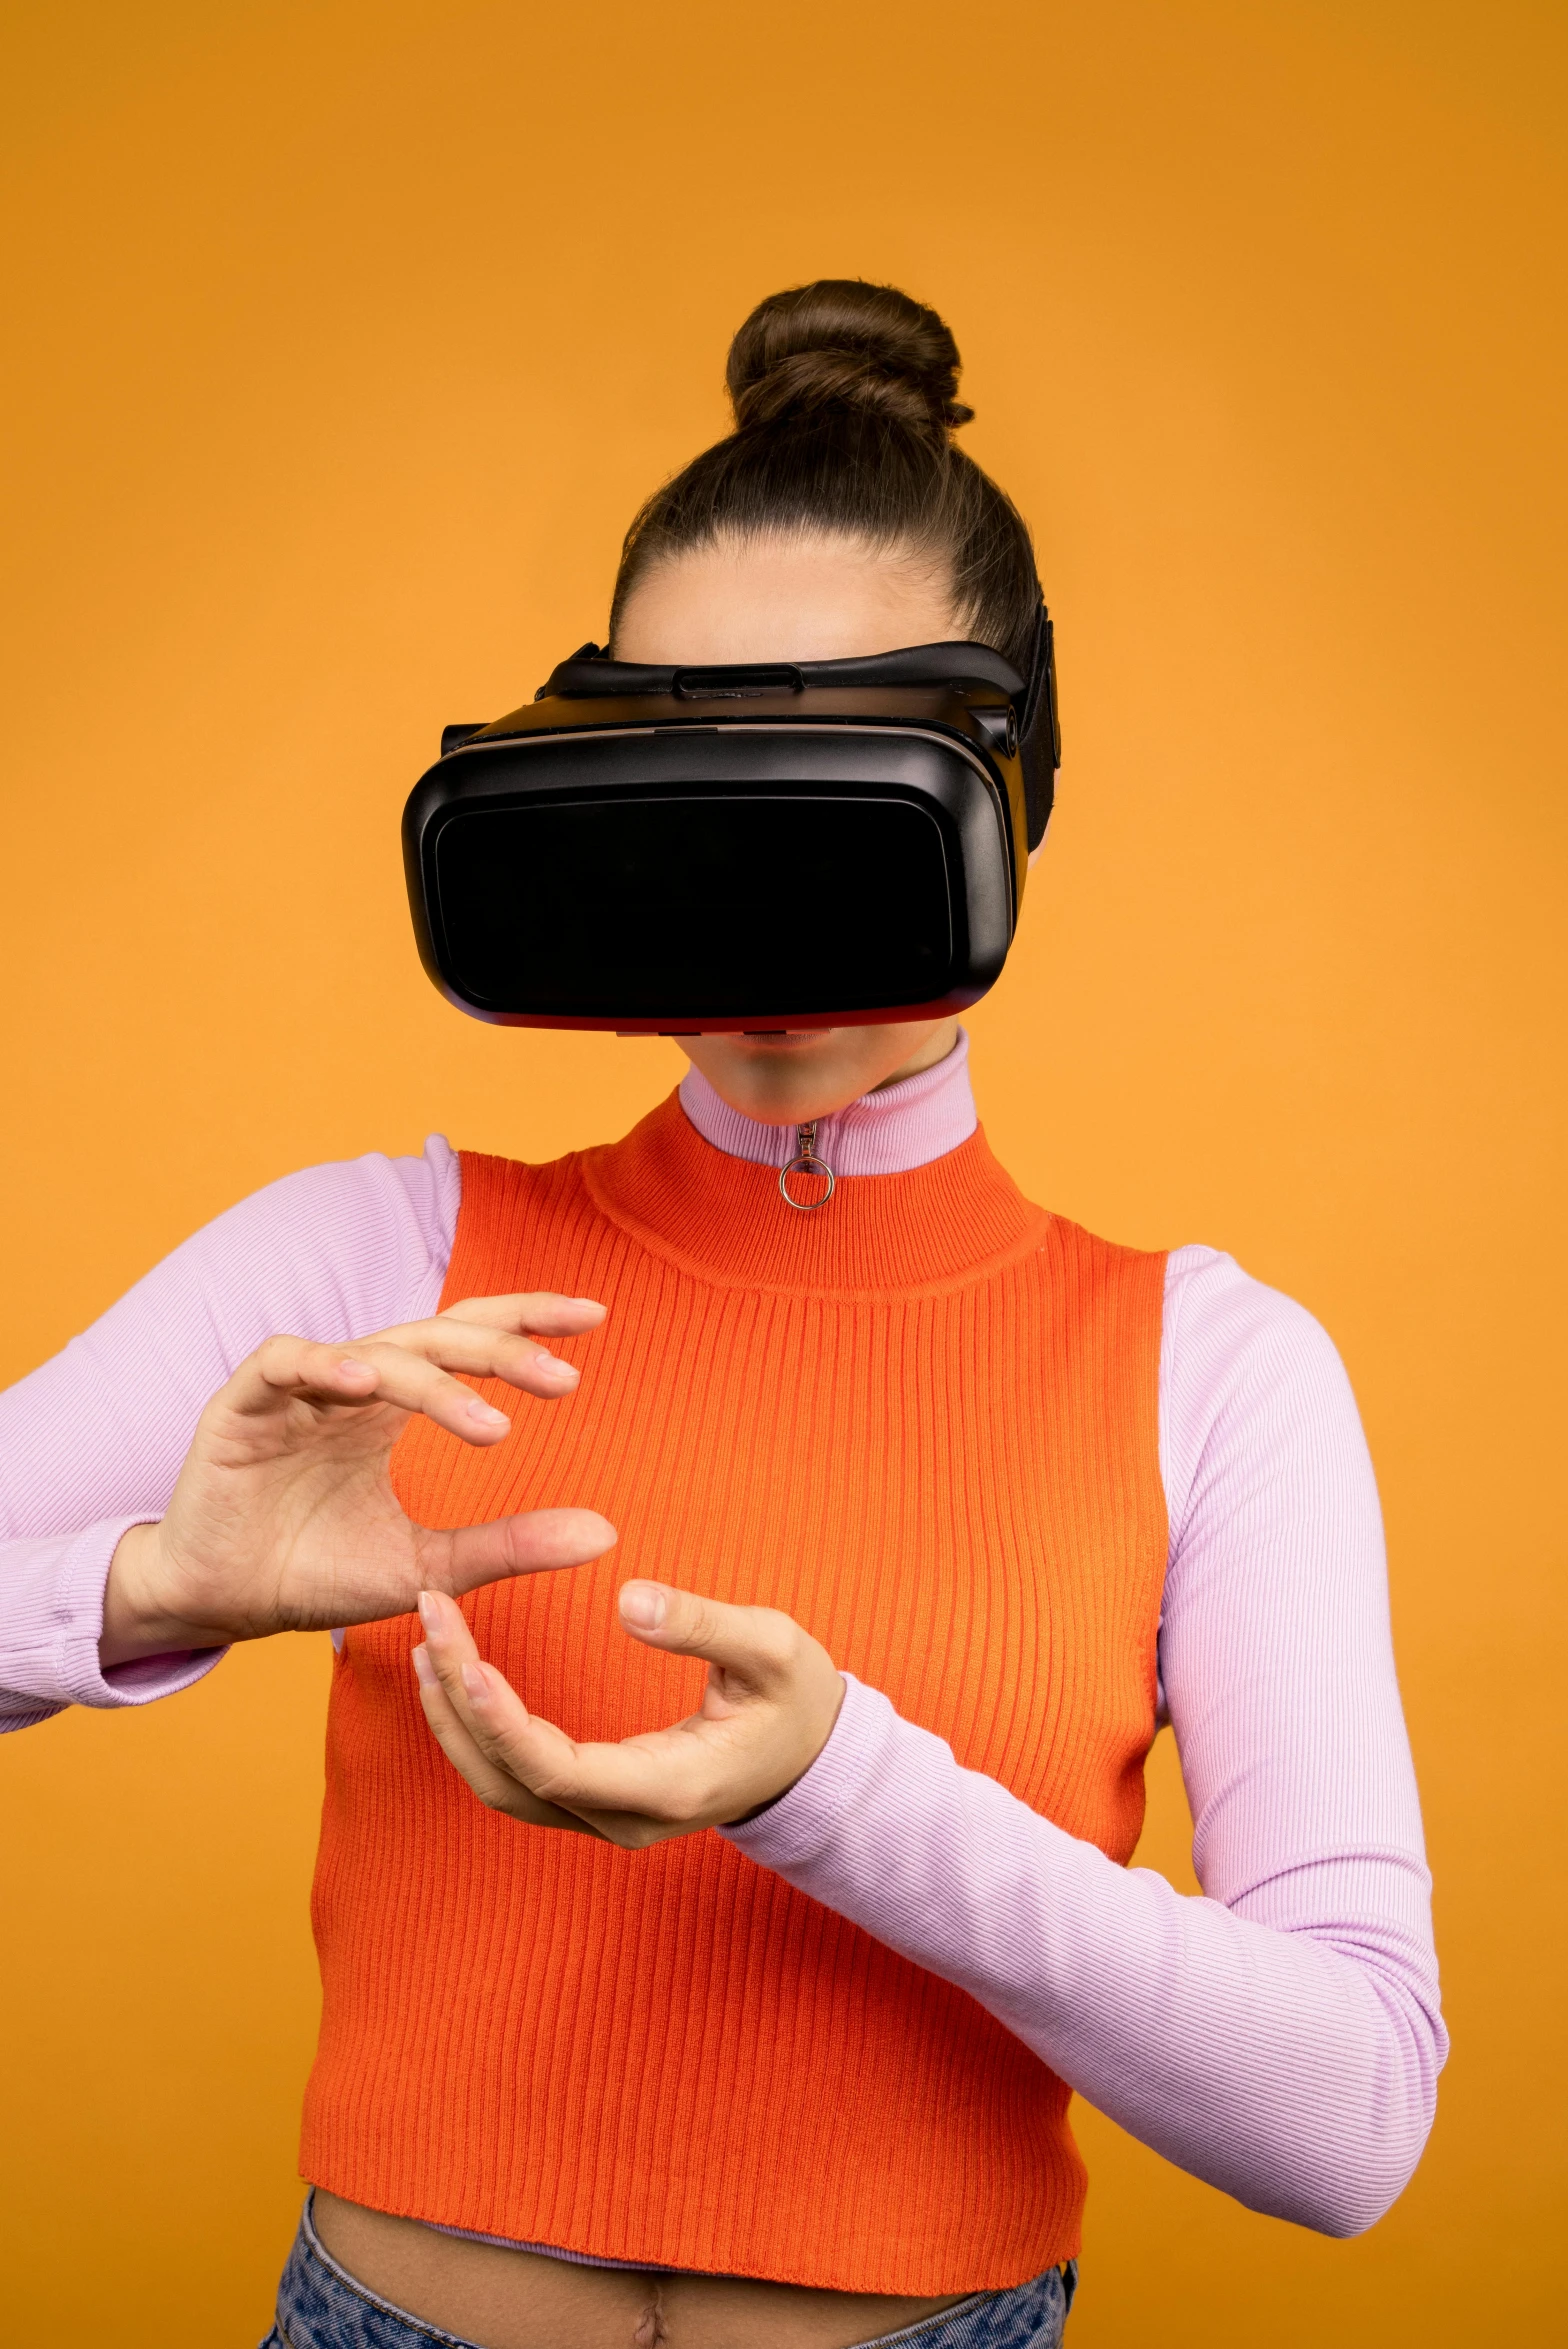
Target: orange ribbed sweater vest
[923, 1421]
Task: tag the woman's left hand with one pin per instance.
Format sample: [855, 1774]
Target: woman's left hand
[772, 1698]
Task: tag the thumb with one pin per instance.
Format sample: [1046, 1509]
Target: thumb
[538, 1542]
[757, 1642]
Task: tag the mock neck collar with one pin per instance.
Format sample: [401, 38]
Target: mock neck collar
[891, 1131]
[955, 1219]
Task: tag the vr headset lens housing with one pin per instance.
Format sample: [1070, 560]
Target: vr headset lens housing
[658, 850]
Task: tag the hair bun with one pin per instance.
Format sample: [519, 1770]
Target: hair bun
[842, 342]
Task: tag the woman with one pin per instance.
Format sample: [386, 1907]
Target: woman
[931, 1504]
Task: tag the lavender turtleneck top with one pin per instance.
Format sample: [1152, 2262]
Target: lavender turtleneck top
[1278, 2036]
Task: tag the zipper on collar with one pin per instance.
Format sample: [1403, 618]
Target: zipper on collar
[806, 1162]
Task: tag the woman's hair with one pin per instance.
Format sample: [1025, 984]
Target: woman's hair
[845, 400]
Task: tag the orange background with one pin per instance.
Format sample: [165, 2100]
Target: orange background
[344, 339]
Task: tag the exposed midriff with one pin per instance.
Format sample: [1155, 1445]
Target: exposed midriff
[518, 2300]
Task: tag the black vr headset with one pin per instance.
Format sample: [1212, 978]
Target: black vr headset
[803, 844]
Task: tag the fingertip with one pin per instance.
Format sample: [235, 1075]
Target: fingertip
[424, 1667]
[588, 1534]
[488, 1425]
[644, 1605]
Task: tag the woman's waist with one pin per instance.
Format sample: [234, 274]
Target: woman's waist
[512, 2297]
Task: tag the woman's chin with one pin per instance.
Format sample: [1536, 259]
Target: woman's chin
[787, 1096]
[791, 1077]
[785, 1079]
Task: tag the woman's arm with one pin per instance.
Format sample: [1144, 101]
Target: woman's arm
[91, 1443]
[1279, 2037]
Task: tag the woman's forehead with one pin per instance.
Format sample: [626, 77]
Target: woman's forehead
[814, 596]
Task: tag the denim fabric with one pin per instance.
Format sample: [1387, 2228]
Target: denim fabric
[320, 2306]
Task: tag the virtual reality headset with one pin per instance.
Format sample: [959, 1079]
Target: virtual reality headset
[793, 845]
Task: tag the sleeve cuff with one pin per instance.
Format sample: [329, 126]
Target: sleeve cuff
[797, 1828]
[54, 1622]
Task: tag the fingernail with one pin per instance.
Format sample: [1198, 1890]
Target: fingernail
[424, 1669]
[484, 1414]
[551, 1366]
[429, 1610]
[643, 1603]
[475, 1685]
[349, 1368]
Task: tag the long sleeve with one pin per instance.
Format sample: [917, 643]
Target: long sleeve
[92, 1442]
[1279, 2036]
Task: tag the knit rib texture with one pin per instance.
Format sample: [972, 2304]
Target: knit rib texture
[922, 1420]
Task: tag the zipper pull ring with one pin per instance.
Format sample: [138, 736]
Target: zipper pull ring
[806, 1162]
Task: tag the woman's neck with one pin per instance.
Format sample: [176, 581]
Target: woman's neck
[898, 1127]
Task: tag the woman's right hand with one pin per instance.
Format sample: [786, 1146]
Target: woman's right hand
[283, 1517]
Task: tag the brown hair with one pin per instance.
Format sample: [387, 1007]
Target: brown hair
[845, 400]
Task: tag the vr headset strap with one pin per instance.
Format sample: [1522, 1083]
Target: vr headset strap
[590, 671]
[1040, 731]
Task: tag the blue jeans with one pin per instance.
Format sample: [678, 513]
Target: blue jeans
[320, 2306]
